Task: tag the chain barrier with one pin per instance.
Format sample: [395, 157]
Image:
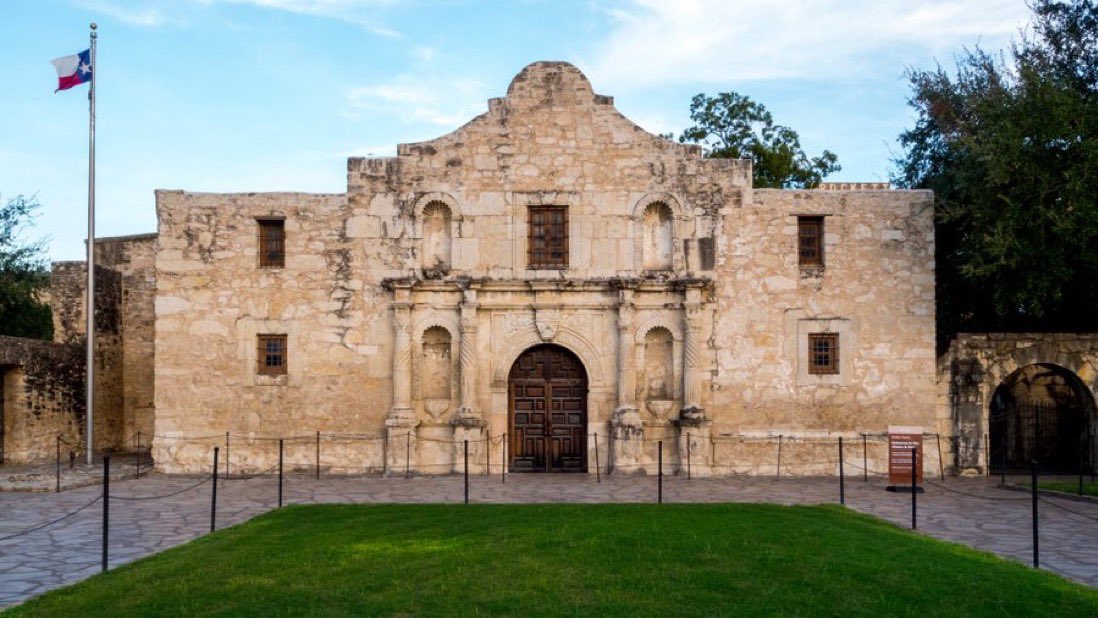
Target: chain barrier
[1064, 508]
[169, 495]
[50, 523]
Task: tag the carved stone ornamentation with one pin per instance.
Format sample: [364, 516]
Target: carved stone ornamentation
[547, 322]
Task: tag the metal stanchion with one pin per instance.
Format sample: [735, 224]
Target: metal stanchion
[488, 453]
[987, 454]
[226, 454]
[842, 478]
[779, 474]
[503, 461]
[1033, 491]
[137, 449]
[941, 466]
[318, 455]
[659, 481]
[688, 456]
[914, 487]
[280, 473]
[598, 475]
[58, 474]
[1002, 460]
[213, 494]
[466, 472]
[865, 458]
[408, 455]
[106, 506]
[1082, 464]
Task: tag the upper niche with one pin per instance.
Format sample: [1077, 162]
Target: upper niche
[436, 239]
[656, 237]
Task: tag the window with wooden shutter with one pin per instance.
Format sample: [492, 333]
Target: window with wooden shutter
[271, 355]
[810, 234]
[823, 353]
[547, 238]
[272, 243]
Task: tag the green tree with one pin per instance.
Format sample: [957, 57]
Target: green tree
[23, 274]
[1008, 144]
[731, 125]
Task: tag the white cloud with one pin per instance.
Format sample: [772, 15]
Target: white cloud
[442, 101]
[145, 16]
[359, 12]
[655, 42]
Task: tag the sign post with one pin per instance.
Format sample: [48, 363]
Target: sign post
[905, 443]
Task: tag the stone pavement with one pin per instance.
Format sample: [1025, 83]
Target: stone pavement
[969, 511]
[43, 476]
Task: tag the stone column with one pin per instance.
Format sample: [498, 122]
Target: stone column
[401, 423]
[468, 423]
[627, 428]
[694, 427]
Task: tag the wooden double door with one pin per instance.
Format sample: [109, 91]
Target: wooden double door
[547, 395]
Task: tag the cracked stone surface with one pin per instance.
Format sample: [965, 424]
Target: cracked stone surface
[971, 511]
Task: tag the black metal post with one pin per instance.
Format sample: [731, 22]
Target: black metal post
[1033, 491]
[987, 451]
[488, 454]
[466, 472]
[865, 458]
[779, 474]
[226, 454]
[408, 455]
[598, 475]
[914, 487]
[318, 455]
[941, 466]
[1002, 460]
[106, 506]
[842, 476]
[688, 456]
[659, 481]
[280, 473]
[59, 465]
[138, 451]
[213, 493]
[503, 461]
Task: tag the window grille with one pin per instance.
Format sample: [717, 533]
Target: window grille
[271, 355]
[810, 235]
[272, 243]
[547, 240]
[823, 353]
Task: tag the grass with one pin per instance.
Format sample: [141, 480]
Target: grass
[1090, 488]
[587, 560]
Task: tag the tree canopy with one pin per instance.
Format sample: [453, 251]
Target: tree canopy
[731, 125]
[23, 274]
[1007, 143]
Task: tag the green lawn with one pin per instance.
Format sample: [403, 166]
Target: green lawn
[1070, 487]
[581, 560]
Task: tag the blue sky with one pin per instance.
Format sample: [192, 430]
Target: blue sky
[273, 95]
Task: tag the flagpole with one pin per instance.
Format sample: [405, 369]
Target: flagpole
[90, 295]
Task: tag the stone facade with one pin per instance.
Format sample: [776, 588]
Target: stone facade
[42, 397]
[406, 302]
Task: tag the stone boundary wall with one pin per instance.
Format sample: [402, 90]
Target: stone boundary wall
[43, 386]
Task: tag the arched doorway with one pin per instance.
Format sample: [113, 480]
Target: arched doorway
[1042, 412]
[547, 411]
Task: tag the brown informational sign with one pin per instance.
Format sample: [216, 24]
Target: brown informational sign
[901, 440]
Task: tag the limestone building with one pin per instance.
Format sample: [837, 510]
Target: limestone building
[549, 271]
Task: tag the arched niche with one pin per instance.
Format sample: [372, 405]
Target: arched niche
[437, 238]
[657, 238]
[659, 364]
[437, 364]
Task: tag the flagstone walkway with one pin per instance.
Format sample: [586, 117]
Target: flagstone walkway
[969, 511]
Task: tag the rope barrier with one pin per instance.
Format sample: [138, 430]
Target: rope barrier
[972, 495]
[49, 523]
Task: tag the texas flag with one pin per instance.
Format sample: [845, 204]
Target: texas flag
[73, 70]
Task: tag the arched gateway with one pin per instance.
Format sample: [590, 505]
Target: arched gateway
[547, 411]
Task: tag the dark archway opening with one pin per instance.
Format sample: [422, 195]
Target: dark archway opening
[547, 405]
[1042, 413]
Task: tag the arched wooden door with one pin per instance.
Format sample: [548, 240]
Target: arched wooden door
[547, 401]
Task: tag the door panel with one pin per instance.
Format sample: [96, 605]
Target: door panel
[548, 411]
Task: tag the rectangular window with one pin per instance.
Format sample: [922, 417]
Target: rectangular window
[823, 353]
[810, 234]
[547, 241]
[271, 355]
[272, 243]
